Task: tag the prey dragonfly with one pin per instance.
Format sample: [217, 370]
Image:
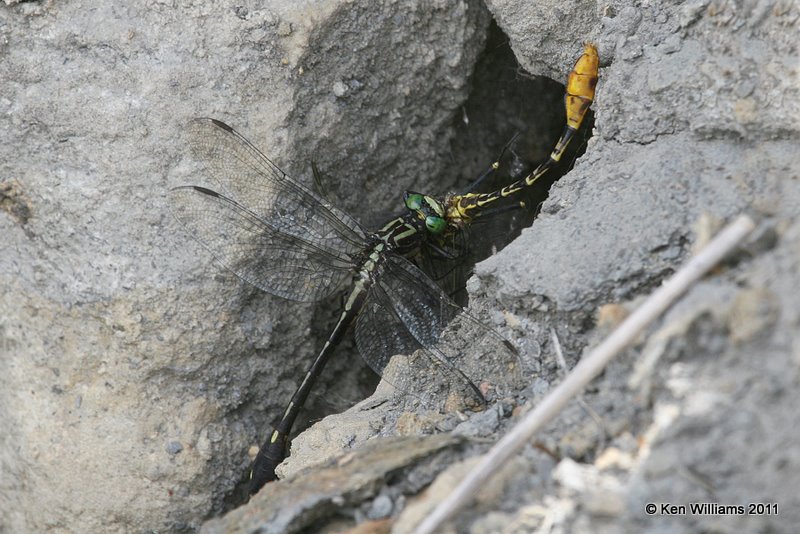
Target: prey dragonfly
[283, 238]
[448, 256]
[462, 210]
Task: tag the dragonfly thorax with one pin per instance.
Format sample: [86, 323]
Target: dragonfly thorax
[403, 234]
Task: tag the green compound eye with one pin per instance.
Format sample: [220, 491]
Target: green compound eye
[414, 202]
[435, 225]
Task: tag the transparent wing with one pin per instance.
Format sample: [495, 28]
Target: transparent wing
[380, 334]
[406, 312]
[281, 264]
[388, 346]
[242, 173]
[263, 226]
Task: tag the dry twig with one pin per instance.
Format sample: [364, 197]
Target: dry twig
[588, 368]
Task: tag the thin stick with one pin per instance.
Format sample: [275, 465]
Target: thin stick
[588, 368]
[562, 363]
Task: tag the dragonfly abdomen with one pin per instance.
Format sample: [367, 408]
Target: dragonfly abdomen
[581, 84]
[274, 451]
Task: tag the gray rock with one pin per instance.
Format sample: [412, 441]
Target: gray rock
[482, 424]
[381, 507]
[174, 447]
[317, 497]
[120, 340]
[117, 331]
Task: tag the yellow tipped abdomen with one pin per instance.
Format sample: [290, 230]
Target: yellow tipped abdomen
[581, 85]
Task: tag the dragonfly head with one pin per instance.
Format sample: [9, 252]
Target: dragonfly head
[428, 210]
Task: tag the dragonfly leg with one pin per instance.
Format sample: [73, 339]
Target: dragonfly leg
[319, 183]
[442, 253]
[492, 168]
[496, 211]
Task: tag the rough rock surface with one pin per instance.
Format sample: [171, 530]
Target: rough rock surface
[697, 119]
[134, 374]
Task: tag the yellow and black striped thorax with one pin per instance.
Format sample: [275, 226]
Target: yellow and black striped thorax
[401, 235]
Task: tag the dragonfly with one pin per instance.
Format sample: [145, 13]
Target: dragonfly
[464, 209]
[283, 238]
[448, 256]
[280, 236]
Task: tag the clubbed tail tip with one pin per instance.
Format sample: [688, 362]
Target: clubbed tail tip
[581, 85]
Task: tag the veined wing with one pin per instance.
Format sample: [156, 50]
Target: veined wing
[242, 173]
[406, 312]
[286, 265]
[259, 223]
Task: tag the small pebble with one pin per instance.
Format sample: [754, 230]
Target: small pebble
[174, 447]
[381, 507]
